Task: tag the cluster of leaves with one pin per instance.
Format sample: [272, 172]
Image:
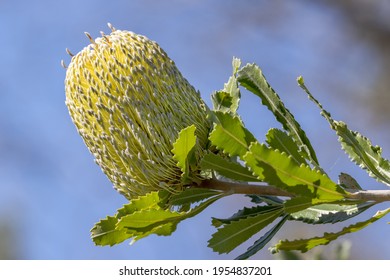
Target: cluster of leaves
[286, 161]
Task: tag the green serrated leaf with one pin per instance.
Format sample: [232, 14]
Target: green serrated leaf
[152, 200]
[252, 78]
[227, 168]
[269, 200]
[330, 213]
[278, 139]
[151, 214]
[280, 170]
[168, 226]
[363, 153]
[183, 150]
[358, 147]
[230, 135]
[222, 101]
[165, 229]
[324, 113]
[260, 243]
[233, 234]
[146, 219]
[231, 87]
[104, 232]
[245, 213]
[304, 245]
[192, 195]
[298, 203]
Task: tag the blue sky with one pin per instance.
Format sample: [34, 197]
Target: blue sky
[51, 192]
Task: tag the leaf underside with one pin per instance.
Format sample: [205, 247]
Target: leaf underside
[235, 233]
[304, 245]
[262, 241]
[330, 213]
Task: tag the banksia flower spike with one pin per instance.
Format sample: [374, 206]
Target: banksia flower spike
[129, 102]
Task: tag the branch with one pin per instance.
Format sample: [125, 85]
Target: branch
[370, 195]
[241, 188]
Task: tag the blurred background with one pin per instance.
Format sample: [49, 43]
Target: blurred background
[52, 193]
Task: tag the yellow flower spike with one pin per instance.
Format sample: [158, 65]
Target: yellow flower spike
[129, 102]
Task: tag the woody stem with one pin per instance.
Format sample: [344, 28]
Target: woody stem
[241, 188]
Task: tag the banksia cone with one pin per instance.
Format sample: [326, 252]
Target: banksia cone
[129, 102]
